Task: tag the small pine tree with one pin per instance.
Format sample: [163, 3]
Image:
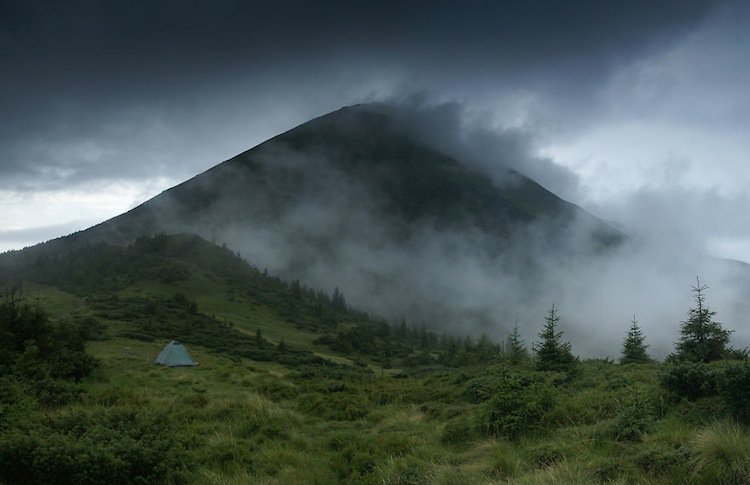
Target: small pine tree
[517, 352]
[633, 348]
[552, 353]
[701, 338]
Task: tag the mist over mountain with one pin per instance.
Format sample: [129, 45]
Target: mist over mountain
[355, 199]
[408, 223]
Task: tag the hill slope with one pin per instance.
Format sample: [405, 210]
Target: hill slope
[183, 287]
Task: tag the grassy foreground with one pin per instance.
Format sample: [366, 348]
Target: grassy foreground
[293, 387]
[239, 421]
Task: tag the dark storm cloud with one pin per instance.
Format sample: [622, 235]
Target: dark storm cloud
[98, 90]
[172, 36]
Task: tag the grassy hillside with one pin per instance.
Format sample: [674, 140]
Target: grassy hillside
[171, 286]
[294, 386]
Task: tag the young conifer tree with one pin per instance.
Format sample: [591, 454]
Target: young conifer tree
[553, 353]
[633, 348]
[517, 352]
[701, 338]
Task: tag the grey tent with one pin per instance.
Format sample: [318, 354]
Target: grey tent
[175, 354]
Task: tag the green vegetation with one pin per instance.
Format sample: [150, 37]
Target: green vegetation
[553, 353]
[634, 347]
[517, 351]
[701, 338]
[41, 438]
[294, 386]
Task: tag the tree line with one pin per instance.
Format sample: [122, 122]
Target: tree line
[701, 339]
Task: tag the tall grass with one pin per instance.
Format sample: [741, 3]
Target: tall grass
[722, 454]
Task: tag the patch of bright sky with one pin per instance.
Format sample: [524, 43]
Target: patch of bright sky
[617, 159]
[29, 217]
[677, 122]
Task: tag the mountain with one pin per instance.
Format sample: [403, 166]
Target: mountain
[360, 153]
[354, 199]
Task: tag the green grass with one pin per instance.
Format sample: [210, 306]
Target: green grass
[251, 413]
[722, 454]
[261, 422]
[59, 303]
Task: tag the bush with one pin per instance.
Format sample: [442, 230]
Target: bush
[518, 405]
[633, 420]
[335, 406]
[33, 349]
[15, 402]
[459, 431]
[115, 446]
[691, 380]
[658, 459]
[734, 388]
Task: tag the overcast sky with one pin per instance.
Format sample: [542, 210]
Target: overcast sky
[642, 107]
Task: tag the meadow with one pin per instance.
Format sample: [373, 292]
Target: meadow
[296, 387]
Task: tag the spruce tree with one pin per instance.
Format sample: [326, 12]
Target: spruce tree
[553, 353]
[633, 348]
[701, 338]
[517, 352]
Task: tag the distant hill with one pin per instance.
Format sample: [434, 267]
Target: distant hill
[352, 199]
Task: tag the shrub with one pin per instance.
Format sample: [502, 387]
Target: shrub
[734, 388]
[660, 459]
[481, 389]
[115, 446]
[460, 431]
[15, 402]
[53, 392]
[691, 380]
[34, 350]
[336, 406]
[518, 406]
[633, 420]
